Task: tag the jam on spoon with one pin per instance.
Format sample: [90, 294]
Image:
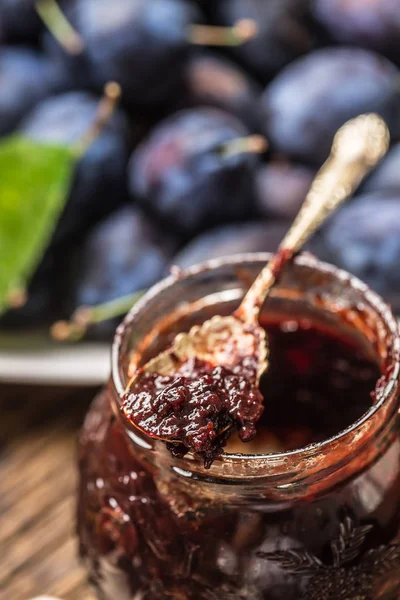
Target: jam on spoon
[199, 405]
[205, 386]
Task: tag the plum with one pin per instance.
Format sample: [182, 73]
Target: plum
[282, 187]
[231, 239]
[26, 77]
[311, 98]
[141, 44]
[284, 32]
[364, 238]
[212, 80]
[387, 174]
[123, 254]
[374, 24]
[99, 184]
[183, 175]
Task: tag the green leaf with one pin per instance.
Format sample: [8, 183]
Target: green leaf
[34, 183]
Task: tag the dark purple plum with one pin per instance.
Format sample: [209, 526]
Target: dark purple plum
[386, 177]
[364, 238]
[231, 239]
[183, 175]
[284, 32]
[141, 44]
[311, 98]
[123, 254]
[212, 80]
[99, 184]
[374, 24]
[282, 187]
[26, 77]
[19, 21]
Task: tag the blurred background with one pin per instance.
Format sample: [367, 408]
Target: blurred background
[141, 134]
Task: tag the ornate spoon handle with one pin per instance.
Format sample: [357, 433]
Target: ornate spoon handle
[357, 147]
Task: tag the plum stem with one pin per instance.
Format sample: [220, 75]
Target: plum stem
[17, 297]
[253, 144]
[211, 35]
[66, 331]
[58, 25]
[85, 316]
[105, 109]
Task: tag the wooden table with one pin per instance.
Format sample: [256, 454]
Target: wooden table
[38, 428]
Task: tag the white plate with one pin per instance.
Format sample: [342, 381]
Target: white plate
[31, 358]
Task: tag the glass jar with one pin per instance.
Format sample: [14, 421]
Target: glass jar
[321, 522]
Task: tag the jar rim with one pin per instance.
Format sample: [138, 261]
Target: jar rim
[391, 376]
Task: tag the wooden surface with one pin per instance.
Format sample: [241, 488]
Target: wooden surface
[38, 428]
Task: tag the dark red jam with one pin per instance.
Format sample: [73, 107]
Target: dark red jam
[199, 406]
[325, 386]
[317, 384]
[152, 527]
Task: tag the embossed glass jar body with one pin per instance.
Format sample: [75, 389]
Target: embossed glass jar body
[319, 522]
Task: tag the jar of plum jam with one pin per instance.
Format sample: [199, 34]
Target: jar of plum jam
[310, 509]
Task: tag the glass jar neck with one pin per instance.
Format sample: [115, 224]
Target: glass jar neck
[276, 478]
[285, 477]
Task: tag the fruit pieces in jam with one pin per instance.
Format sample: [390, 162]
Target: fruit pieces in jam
[197, 408]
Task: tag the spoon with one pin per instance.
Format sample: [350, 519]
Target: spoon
[228, 341]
